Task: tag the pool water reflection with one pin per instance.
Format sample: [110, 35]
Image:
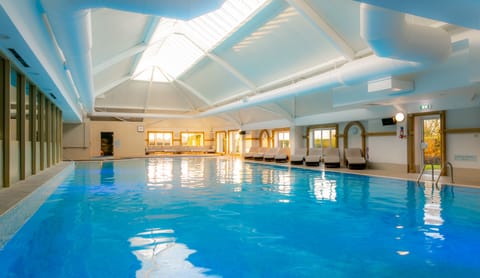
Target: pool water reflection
[222, 217]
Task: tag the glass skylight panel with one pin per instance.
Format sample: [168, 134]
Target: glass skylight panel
[176, 45]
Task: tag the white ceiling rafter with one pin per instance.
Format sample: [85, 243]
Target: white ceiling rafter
[149, 92]
[319, 23]
[175, 86]
[232, 70]
[224, 64]
[193, 91]
[119, 57]
[111, 85]
[279, 111]
[230, 118]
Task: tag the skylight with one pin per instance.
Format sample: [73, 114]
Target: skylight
[176, 44]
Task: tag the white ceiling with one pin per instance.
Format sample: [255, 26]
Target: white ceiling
[281, 67]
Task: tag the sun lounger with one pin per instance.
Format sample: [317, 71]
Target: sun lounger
[354, 158]
[249, 155]
[314, 157]
[282, 155]
[298, 157]
[260, 153]
[331, 157]
[270, 154]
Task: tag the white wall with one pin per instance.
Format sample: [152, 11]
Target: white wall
[387, 149]
[463, 150]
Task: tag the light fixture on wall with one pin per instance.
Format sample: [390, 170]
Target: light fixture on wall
[399, 117]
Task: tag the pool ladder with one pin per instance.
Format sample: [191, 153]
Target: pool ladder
[448, 165]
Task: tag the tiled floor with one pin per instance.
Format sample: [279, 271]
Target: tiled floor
[10, 196]
[459, 180]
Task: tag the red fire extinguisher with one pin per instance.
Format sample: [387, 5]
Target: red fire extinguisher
[402, 133]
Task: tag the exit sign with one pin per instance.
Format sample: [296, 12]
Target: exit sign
[425, 107]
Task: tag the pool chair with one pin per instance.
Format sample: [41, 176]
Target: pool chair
[260, 153]
[282, 155]
[314, 157]
[251, 152]
[298, 157]
[331, 157]
[270, 154]
[354, 159]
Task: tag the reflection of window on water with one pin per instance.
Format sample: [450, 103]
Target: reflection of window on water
[160, 173]
[192, 173]
[324, 189]
[433, 212]
[267, 176]
[284, 183]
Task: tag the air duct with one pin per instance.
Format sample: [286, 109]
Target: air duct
[390, 35]
[360, 70]
[70, 22]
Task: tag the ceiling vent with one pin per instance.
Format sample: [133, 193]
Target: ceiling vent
[390, 85]
[18, 57]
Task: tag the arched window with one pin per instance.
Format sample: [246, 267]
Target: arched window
[264, 139]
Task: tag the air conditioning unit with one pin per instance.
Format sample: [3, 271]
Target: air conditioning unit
[390, 85]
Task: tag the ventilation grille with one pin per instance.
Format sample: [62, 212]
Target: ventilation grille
[19, 58]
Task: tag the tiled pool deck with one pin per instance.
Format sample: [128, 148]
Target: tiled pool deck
[17, 203]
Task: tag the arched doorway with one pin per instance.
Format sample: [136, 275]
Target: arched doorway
[354, 137]
[264, 139]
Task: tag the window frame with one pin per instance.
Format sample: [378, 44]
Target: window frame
[322, 128]
[170, 133]
[202, 140]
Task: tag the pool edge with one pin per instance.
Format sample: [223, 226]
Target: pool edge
[12, 219]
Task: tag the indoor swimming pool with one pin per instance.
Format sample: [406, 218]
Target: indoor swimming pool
[223, 217]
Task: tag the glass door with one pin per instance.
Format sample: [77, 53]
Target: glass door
[430, 143]
[220, 142]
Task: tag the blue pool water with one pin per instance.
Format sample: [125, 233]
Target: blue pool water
[217, 217]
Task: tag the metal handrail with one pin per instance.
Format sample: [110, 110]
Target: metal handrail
[423, 170]
[448, 165]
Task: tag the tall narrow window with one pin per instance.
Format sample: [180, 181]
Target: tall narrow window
[234, 142]
[13, 106]
[264, 139]
[27, 112]
[282, 138]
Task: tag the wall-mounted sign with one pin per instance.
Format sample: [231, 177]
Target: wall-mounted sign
[425, 107]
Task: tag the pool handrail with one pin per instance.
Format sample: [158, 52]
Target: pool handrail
[448, 165]
[423, 170]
